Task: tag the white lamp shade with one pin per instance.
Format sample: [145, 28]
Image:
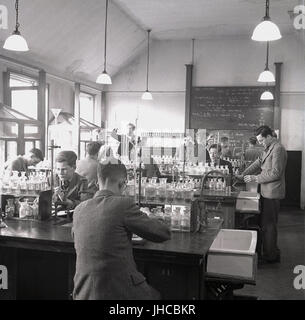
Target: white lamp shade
[266, 31]
[267, 95]
[16, 42]
[147, 96]
[104, 78]
[266, 76]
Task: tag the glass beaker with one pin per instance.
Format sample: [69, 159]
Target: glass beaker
[151, 190]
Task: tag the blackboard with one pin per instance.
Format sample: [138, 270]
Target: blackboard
[231, 108]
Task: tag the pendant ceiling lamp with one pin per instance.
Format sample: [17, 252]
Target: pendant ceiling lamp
[266, 75]
[16, 42]
[104, 77]
[147, 95]
[266, 30]
[267, 95]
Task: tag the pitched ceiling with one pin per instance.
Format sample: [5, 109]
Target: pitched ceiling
[200, 19]
[66, 37]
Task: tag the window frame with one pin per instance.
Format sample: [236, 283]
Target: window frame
[25, 88]
[86, 93]
[7, 93]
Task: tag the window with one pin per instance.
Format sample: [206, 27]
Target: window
[26, 102]
[17, 80]
[11, 150]
[24, 94]
[87, 106]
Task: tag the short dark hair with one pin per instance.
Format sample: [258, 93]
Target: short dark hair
[113, 172]
[37, 153]
[253, 141]
[224, 139]
[215, 146]
[264, 131]
[93, 148]
[67, 156]
[131, 125]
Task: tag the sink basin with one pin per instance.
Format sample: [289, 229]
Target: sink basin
[232, 254]
[248, 202]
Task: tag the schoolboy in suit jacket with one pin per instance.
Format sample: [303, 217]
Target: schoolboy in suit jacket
[102, 231]
[70, 188]
[272, 165]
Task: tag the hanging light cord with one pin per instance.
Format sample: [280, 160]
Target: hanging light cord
[148, 32]
[193, 50]
[17, 14]
[267, 58]
[105, 47]
[267, 9]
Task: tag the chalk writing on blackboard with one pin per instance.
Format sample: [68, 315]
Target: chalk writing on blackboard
[230, 108]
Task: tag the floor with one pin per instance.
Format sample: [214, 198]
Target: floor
[275, 281]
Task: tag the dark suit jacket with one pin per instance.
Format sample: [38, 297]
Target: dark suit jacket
[105, 267]
[77, 190]
[253, 153]
[272, 177]
[225, 163]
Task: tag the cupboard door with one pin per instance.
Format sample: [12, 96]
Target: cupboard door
[174, 281]
[8, 258]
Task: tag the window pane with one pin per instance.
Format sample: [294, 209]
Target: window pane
[18, 80]
[38, 144]
[85, 134]
[28, 146]
[11, 150]
[31, 131]
[87, 107]
[8, 129]
[25, 101]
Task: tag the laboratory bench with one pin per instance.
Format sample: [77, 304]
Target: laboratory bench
[40, 259]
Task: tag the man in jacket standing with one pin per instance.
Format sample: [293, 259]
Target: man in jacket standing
[102, 230]
[271, 165]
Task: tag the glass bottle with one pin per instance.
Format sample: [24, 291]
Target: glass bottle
[24, 209]
[162, 189]
[29, 211]
[186, 220]
[159, 214]
[168, 216]
[176, 220]
[35, 210]
[170, 192]
[10, 208]
[179, 192]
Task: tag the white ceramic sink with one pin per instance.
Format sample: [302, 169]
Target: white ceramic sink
[248, 202]
[232, 254]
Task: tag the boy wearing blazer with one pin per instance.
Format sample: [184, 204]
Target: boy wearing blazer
[271, 167]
